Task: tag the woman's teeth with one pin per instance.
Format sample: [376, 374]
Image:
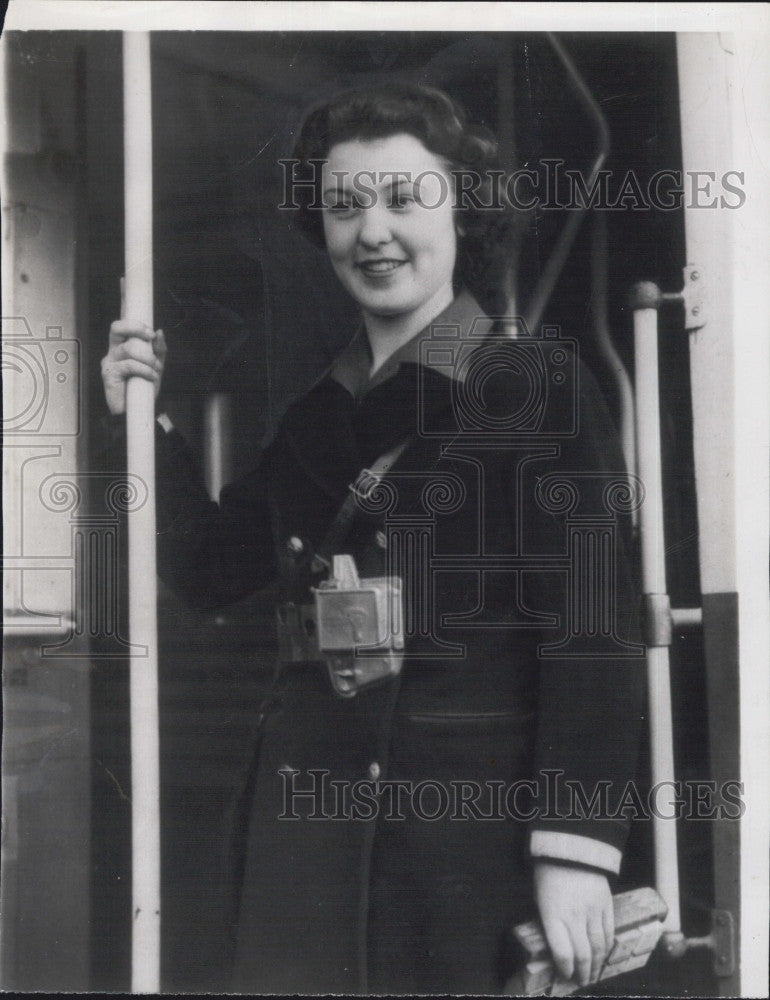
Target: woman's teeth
[380, 266]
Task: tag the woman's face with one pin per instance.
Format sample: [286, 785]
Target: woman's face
[389, 224]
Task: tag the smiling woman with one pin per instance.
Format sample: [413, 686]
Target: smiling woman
[441, 163]
[449, 433]
[396, 256]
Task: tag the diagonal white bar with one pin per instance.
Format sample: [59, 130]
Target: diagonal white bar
[140, 406]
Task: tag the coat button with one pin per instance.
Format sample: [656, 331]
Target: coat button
[374, 771]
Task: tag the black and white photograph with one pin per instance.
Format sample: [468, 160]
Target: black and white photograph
[386, 424]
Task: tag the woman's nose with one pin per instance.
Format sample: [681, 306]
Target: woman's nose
[375, 226]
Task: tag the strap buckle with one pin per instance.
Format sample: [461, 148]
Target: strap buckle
[366, 483]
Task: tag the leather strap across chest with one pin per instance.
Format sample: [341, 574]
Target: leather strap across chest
[366, 481]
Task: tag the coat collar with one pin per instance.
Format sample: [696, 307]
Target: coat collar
[331, 438]
[462, 321]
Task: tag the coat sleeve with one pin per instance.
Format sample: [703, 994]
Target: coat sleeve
[210, 554]
[591, 699]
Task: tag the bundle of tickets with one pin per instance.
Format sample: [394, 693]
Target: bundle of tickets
[639, 916]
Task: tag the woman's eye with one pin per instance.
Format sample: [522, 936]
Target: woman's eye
[401, 202]
[347, 205]
[341, 207]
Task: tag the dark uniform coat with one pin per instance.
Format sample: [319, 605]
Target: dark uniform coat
[506, 500]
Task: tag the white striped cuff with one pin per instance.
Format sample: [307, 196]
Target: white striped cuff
[574, 847]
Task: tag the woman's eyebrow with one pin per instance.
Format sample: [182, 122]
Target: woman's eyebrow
[400, 182]
[341, 189]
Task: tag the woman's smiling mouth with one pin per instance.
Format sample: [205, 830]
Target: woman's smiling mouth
[379, 265]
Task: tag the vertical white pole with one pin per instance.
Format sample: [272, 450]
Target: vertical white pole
[653, 553]
[140, 407]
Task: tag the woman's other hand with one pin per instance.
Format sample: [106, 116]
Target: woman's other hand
[135, 350]
[576, 912]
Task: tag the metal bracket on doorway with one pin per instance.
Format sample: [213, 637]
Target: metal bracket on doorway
[647, 295]
[694, 297]
[721, 942]
[723, 934]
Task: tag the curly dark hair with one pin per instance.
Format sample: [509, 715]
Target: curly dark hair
[487, 236]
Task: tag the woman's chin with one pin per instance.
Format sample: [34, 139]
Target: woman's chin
[385, 305]
[390, 311]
